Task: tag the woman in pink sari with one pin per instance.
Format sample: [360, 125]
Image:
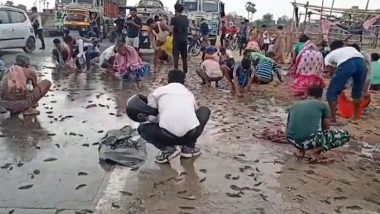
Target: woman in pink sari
[306, 70]
[20, 90]
[129, 65]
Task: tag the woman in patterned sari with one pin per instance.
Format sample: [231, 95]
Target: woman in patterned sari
[306, 70]
[129, 65]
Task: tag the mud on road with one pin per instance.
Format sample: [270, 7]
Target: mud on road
[49, 163]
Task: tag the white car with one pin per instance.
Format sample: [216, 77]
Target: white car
[16, 31]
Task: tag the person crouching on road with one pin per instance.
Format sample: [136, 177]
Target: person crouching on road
[92, 52]
[265, 68]
[241, 78]
[308, 127]
[61, 54]
[20, 90]
[129, 65]
[210, 70]
[179, 123]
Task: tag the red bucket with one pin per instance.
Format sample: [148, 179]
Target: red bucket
[346, 106]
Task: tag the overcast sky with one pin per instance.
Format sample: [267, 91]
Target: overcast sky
[276, 7]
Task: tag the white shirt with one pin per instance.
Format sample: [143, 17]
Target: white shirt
[341, 55]
[176, 107]
[106, 55]
[266, 38]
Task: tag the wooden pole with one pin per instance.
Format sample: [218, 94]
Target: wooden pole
[320, 20]
[332, 6]
[304, 22]
[366, 7]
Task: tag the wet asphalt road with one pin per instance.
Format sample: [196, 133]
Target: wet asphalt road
[49, 163]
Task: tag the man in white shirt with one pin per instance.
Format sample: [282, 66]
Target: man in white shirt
[179, 123]
[349, 63]
[35, 19]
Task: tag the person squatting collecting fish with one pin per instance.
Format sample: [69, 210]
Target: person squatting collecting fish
[308, 127]
[129, 65]
[211, 69]
[21, 90]
[179, 123]
[254, 68]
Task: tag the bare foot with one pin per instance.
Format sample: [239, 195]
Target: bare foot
[355, 122]
[317, 157]
[31, 112]
[338, 123]
[300, 154]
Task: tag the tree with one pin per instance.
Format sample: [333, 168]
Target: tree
[250, 8]
[268, 19]
[258, 23]
[22, 7]
[284, 20]
[9, 3]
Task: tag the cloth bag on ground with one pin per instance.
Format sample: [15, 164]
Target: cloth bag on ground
[123, 146]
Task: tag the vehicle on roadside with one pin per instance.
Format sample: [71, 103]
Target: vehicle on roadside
[76, 15]
[210, 10]
[231, 42]
[194, 46]
[16, 31]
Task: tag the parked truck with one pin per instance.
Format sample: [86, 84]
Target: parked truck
[211, 10]
[76, 14]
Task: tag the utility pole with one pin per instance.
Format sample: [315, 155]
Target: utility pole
[332, 6]
[366, 7]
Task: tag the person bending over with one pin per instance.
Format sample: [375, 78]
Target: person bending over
[265, 68]
[210, 70]
[241, 78]
[61, 54]
[350, 64]
[158, 37]
[308, 127]
[179, 123]
[92, 52]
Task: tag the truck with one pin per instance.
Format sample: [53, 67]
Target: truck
[76, 14]
[211, 10]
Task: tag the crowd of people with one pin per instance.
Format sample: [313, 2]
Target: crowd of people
[262, 60]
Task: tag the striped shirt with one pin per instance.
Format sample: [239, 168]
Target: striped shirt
[265, 70]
